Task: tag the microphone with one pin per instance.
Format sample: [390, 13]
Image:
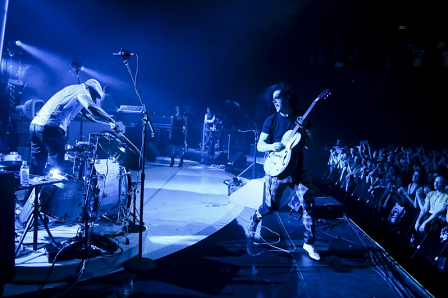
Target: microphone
[124, 53]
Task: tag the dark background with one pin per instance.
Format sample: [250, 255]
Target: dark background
[201, 53]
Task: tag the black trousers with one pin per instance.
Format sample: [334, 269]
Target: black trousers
[47, 145]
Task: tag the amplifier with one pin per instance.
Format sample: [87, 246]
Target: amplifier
[328, 208]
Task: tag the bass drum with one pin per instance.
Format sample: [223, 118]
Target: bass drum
[114, 185]
[63, 200]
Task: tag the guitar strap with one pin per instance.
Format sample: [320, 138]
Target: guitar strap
[292, 121]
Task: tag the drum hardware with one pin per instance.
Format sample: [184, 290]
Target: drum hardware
[80, 147]
[81, 151]
[117, 146]
[85, 247]
[114, 205]
[86, 194]
[133, 195]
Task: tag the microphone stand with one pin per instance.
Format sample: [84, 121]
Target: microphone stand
[140, 263]
[76, 64]
[80, 119]
[254, 163]
[255, 130]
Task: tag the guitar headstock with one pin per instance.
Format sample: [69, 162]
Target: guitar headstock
[324, 94]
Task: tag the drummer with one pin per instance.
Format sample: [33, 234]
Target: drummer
[48, 130]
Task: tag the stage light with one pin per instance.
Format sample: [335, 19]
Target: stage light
[13, 48]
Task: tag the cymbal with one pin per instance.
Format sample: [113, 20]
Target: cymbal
[121, 149]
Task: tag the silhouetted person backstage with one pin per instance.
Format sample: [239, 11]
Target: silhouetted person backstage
[178, 135]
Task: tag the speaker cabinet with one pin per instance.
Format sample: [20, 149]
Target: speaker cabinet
[7, 231]
[221, 159]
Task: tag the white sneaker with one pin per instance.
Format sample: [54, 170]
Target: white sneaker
[312, 253]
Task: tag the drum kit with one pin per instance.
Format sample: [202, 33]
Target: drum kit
[98, 184]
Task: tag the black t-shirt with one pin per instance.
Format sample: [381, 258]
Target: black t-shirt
[276, 126]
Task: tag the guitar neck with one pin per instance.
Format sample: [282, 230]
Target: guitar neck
[325, 93]
[310, 108]
[296, 128]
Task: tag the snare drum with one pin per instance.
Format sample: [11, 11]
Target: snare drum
[114, 184]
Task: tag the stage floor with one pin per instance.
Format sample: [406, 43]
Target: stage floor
[197, 238]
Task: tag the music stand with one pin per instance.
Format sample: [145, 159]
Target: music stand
[139, 263]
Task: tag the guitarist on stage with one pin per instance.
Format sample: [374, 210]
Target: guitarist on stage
[273, 131]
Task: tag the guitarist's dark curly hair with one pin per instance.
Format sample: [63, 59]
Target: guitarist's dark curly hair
[286, 92]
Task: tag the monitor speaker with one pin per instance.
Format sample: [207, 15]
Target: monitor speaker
[237, 160]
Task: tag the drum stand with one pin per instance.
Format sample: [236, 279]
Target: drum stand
[123, 207]
[134, 197]
[86, 175]
[84, 239]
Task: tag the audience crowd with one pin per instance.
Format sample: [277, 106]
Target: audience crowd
[405, 188]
